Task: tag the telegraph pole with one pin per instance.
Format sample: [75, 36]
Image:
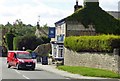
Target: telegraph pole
[39, 18]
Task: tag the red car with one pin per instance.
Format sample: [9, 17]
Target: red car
[21, 60]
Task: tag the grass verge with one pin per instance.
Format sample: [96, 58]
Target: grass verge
[86, 71]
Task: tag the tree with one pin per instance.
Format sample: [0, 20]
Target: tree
[9, 40]
[8, 24]
[28, 41]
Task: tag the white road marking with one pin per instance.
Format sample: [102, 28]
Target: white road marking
[25, 77]
[18, 72]
[21, 74]
[67, 78]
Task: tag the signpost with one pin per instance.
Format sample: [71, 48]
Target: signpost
[51, 32]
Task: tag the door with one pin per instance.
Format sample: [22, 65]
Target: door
[10, 58]
[14, 60]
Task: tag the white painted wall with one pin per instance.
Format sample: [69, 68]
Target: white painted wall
[54, 50]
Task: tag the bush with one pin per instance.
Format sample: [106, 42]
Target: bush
[29, 42]
[102, 43]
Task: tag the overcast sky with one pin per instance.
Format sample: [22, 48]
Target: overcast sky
[50, 11]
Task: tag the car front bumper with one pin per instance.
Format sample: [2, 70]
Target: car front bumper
[27, 65]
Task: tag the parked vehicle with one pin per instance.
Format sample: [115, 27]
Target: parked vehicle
[20, 59]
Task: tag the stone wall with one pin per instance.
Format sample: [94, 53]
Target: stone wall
[80, 33]
[43, 49]
[109, 61]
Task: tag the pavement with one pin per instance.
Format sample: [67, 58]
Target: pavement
[53, 69]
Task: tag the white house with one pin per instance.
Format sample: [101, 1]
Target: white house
[57, 44]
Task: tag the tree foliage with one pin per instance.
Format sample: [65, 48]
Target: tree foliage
[29, 42]
[9, 40]
[24, 35]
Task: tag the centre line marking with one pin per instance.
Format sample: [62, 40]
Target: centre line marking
[25, 77]
[68, 78]
[18, 72]
[22, 75]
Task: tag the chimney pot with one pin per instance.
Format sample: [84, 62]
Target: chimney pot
[91, 3]
[91, 0]
[76, 7]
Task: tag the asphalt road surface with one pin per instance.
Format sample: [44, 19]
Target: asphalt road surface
[12, 74]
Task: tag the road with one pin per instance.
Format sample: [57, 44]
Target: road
[13, 73]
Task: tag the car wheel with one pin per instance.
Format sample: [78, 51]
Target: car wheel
[8, 65]
[18, 68]
[33, 68]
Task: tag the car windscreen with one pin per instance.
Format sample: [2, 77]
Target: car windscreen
[24, 56]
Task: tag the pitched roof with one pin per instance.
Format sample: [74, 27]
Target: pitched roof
[93, 14]
[115, 14]
[60, 21]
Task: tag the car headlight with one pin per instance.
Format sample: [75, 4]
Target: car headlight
[34, 61]
[21, 60]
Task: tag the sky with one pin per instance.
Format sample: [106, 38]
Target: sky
[50, 11]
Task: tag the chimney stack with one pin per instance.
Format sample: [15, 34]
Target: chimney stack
[76, 7]
[91, 0]
[76, 2]
[91, 3]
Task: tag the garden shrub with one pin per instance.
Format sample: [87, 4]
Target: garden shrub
[102, 43]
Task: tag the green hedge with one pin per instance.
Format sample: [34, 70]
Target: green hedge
[102, 43]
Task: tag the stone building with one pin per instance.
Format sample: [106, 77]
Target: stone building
[78, 24]
[40, 32]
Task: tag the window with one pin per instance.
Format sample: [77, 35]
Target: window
[61, 46]
[60, 53]
[24, 56]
